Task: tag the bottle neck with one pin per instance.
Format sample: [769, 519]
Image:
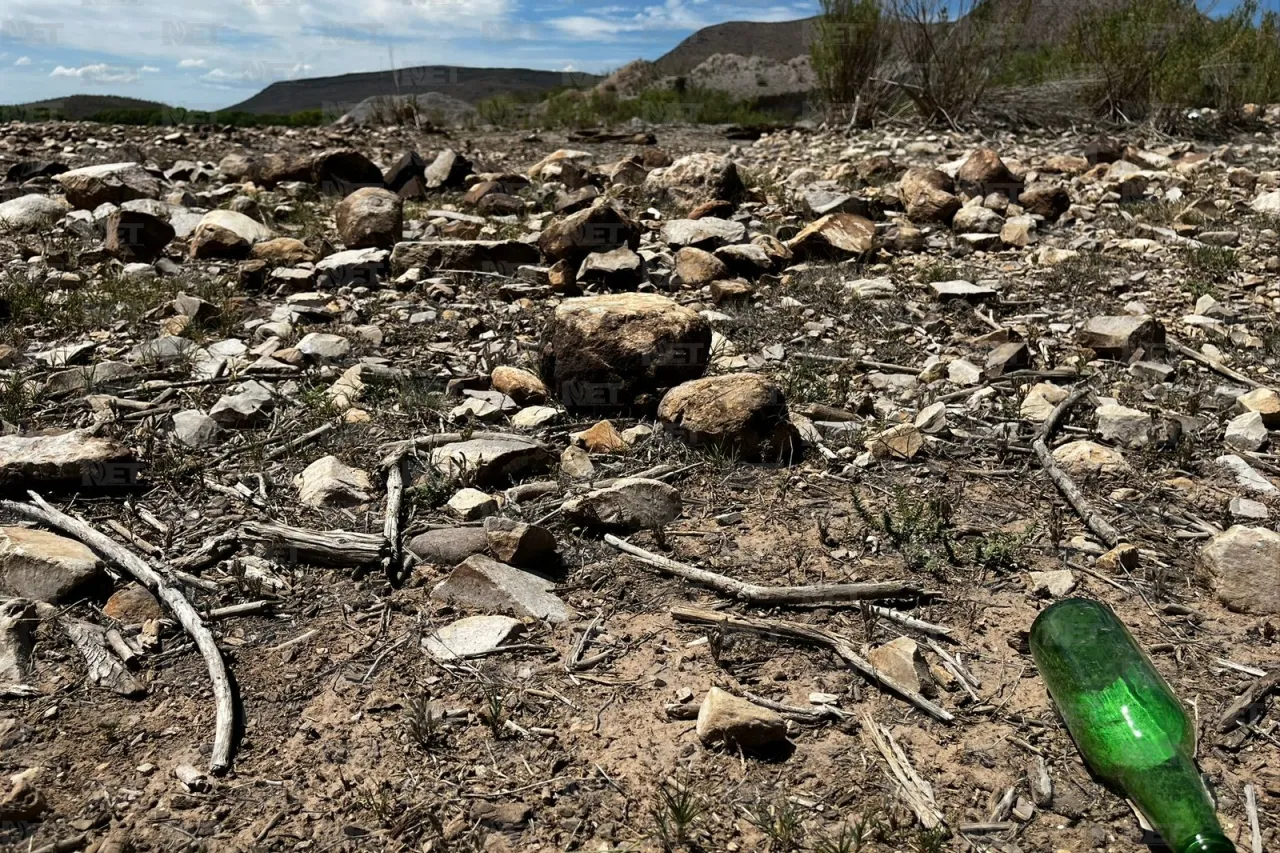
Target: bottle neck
[1210, 843]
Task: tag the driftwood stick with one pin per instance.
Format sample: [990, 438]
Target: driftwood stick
[1216, 366]
[391, 516]
[322, 547]
[1098, 525]
[766, 595]
[1249, 703]
[917, 792]
[816, 712]
[910, 621]
[18, 622]
[210, 552]
[1251, 809]
[294, 444]
[186, 615]
[105, 668]
[808, 634]
[121, 647]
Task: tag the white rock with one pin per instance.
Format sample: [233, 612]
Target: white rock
[471, 504]
[328, 482]
[1126, 427]
[1246, 432]
[474, 635]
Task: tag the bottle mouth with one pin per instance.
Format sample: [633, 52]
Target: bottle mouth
[1213, 843]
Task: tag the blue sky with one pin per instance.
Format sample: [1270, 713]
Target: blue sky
[206, 54]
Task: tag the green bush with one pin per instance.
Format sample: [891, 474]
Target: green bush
[849, 41]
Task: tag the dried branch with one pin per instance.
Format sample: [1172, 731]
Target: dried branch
[798, 632]
[186, 615]
[767, 595]
[1098, 525]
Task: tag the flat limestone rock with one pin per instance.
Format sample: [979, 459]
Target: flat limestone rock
[491, 461]
[471, 636]
[485, 584]
[632, 503]
[77, 456]
[46, 567]
[724, 718]
[1245, 562]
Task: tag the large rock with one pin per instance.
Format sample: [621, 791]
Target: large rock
[250, 406]
[1245, 562]
[114, 183]
[517, 543]
[985, 173]
[448, 171]
[352, 268]
[227, 234]
[449, 546]
[615, 352]
[725, 718]
[1120, 337]
[743, 413]
[697, 267]
[695, 179]
[490, 461]
[73, 457]
[504, 257]
[927, 196]
[836, 235]
[135, 236]
[632, 503]
[278, 167]
[1124, 426]
[407, 176]
[903, 662]
[471, 636]
[619, 269]
[976, 219]
[343, 171]
[1263, 401]
[370, 217]
[282, 251]
[31, 213]
[45, 567]
[599, 228]
[327, 482]
[1088, 459]
[705, 233]
[520, 385]
[1045, 199]
[485, 584]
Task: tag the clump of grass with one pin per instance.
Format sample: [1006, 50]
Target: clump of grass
[676, 814]
[1215, 264]
[852, 837]
[920, 528]
[780, 822]
[423, 724]
[494, 714]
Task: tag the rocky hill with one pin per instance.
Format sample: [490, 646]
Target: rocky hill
[777, 41]
[345, 91]
[77, 107]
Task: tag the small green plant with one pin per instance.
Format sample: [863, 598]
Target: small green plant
[850, 39]
[17, 398]
[851, 837]
[379, 800]
[494, 712]
[998, 552]
[1214, 263]
[676, 813]
[780, 822]
[424, 725]
[929, 840]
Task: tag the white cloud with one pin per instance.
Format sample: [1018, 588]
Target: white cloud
[101, 72]
[148, 69]
[22, 60]
[192, 63]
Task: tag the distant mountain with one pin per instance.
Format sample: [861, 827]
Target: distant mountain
[77, 107]
[777, 41]
[343, 92]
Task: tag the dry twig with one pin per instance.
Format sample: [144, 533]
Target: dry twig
[1098, 525]
[186, 615]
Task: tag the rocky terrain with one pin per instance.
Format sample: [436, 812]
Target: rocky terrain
[384, 490]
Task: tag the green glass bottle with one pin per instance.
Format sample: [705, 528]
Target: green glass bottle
[1131, 729]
